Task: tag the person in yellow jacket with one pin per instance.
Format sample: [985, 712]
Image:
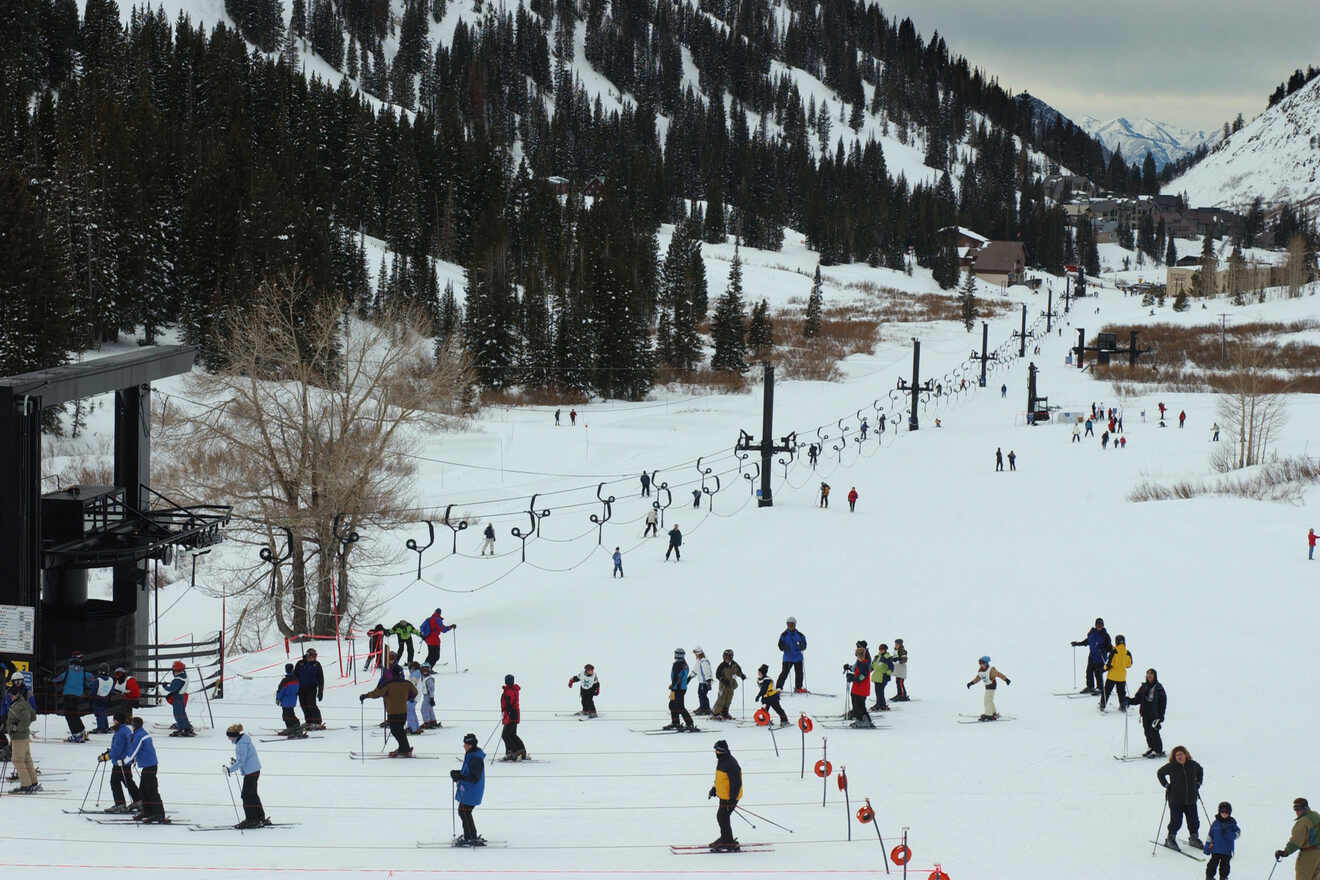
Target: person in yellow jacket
[728, 788]
[1116, 667]
[1304, 840]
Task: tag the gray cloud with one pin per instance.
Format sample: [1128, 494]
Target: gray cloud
[1191, 63]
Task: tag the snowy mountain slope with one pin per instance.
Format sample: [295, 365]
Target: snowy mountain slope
[1164, 142]
[1276, 157]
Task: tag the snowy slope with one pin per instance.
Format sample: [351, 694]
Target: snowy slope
[1276, 156]
[1165, 143]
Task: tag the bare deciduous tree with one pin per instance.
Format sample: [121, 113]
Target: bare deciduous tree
[313, 419]
[1251, 406]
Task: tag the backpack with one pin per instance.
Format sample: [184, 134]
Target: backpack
[426, 627]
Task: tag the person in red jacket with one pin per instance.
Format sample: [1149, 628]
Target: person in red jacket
[431, 629]
[852, 499]
[859, 678]
[1182, 417]
[514, 750]
[1310, 544]
[125, 693]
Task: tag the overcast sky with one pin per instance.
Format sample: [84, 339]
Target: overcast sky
[1191, 63]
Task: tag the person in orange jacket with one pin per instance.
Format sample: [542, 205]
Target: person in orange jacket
[852, 499]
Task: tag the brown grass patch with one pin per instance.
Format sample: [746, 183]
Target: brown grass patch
[702, 379]
[1281, 480]
[532, 397]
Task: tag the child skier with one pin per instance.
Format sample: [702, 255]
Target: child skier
[987, 674]
[900, 671]
[415, 679]
[859, 679]
[428, 698]
[618, 563]
[880, 669]
[679, 676]
[287, 697]
[705, 679]
[590, 688]
[1224, 831]
[105, 685]
[176, 694]
[768, 694]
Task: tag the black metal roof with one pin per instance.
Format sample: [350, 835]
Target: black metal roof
[57, 385]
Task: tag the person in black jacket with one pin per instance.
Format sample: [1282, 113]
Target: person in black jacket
[679, 676]
[1098, 645]
[675, 544]
[1152, 700]
[1181, 778]
[728, 788]
[311, 687]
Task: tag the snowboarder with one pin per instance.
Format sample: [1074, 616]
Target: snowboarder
[311, 687]
[900, 672]
[1151, 701]
[286, 695]
[696, 498]
[792, 643]
[679, 675]
[488, 540]
[768, 694]
[127, 692]
[987, 674]
[588, 689]
[510, 715]
[1224, 832]
[618, 563]
[999, 459]
[1181, 778]
[852, 499]
[824, 494]
[728, 788]
[427, 698]
[675, 544]
[18, 727]
[1012, 460]
[1116, 667]
[121, 774]
[1310, 544]
[176, 694]
[646, 484]
[78, 683]
[1098, 646]
[881, 668]
[144, 755]
[728, 674]
[705, 678]
[1305, 837]
[858, 675]
[105, 686]
[248, 765]
[469, 786]
[432, 628]
[404, 632]
[395, 693]
[652, 523]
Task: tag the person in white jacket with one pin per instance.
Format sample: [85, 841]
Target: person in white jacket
[705, 678]
[427, 698]
[652, 521]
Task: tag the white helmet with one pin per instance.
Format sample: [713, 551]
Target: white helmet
[792, 620]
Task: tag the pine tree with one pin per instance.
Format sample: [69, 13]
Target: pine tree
[696, 282]
[967, 300]
[811, 324]
[1209, 268]
[1180, 303]
[727, 328]
[760, 330]
[1171, 255]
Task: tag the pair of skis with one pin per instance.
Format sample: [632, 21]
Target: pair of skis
[373, 756]
[707, 849]
[660, 732]
[964, 718]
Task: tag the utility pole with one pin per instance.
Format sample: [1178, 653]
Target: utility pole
[917, 386]
[1049, 308]
[1223, 328]
[1067, 291]
[767, 446]
[984, 355]
[1022, 334]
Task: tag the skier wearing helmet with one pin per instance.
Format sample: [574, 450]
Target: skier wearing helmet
[176, 694]
[987, 674]
[792, 643]
[469, 787]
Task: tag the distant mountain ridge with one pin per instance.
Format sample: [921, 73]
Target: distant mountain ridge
[1166, 143]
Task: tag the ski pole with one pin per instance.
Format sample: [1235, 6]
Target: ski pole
[4, 774]
[1276, 864]
[1074, 666]
[453, 826]
[491, 737]
[1156, 841]
[362, 729]
[100, 788]
[771, 727]
[763, 818]
[1209, 820]
[230, 788]
[1125, 734]
[454, 637]
[739, 814]
[90, 783]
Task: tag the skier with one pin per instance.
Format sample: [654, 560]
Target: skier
[1224, 832]
[728, 788]
[1003, 391]
[376, 647]
[652, 523]
[704, 680]
[176, 694]
[572, 416]
[105, 686]
[824, 494]
[1305, 837]
[1182, 417]
[588, 689]
[1116, 667]
[488, 540]
[1152, 701]
[1122, 441]
[882, 423]
[792, 643]
[1181, 778]
[1077, 434]
[1104, 440]
[311, 687]
[469, 786]
[1012, 460]
[428, 698]
[858, 675]
[404, 632]
[1310, 544]
[286, 695]
[126, 693]
[863, 430]
[1215, 427]
[728, 674]
[121, 774]
[999, 459]
[900, 672]
[395, 693]
[696, 498]
[246, 764]
[18, 727]
[556, 418]
[987, 674]
[813, 452]
[411, 721]
[1090, 428]
[510, 715]
[431, 630]
[1098, 646]
[143, 754]
[646, 484]
[77, 682]
[852, 499]
[881, 668]
[675, 543]
[618, 563]
[768, 693]
[679, 675]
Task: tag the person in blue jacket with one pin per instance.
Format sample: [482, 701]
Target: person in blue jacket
[679, 676]
[311, 687]
[792, 643]
[248, 765]
[287, 696]
[143, 753]
[78, 685]
[176, 694]
[1224, 832]
[121, 772]
[469, 786]
[1098, 647]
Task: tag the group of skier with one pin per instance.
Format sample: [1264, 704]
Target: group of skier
[866, 672]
